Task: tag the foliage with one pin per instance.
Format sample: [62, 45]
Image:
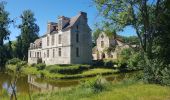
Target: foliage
[136, 61]
[157, 72]
[97, 84]
[126, 89]
[132, 40]
[150, 19]
[13, 61]
[67, 69]
[40, 66]
[29, 33]
[124, 55]
[96, 34]
[4, 32]
[109, 63]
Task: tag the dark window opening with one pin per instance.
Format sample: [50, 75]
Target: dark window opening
[59, 52]
[59, 39]
[77, 52]
[102, 44]
[47, 53]
[77, 37]
[53, 53]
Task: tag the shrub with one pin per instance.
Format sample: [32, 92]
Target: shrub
[109, 63]
[136, 61]
[14, 61]
[157, 72]
[67, 69]
[40, 66]
[97, 84]
[98, 63]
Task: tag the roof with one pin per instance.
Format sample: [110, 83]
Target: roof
[71, 22]
[38, 41]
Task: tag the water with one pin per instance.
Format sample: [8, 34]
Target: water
[30, 84]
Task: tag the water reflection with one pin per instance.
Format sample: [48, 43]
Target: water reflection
[41, 85]
[29, 84]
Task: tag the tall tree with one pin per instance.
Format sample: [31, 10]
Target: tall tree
[150, 19]
[4, 32]
[29, 32]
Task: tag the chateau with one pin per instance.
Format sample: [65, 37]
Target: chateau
[108, 47]
[67, 42]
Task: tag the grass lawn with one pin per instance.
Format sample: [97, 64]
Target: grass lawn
[114, 91]
[135, 92]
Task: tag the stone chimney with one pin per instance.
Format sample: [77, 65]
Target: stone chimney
[84, 14]
[62, 21]
[51, 27]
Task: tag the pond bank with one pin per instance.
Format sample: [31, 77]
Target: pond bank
[60, 72]
[99, 89]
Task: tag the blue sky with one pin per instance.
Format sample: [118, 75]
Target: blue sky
[49, 10]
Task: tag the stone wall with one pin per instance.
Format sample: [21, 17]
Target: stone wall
[84, 44]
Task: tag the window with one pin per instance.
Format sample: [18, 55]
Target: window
[53, 53]
[59, 39]
[77, 52]
[47, 41]
[77, 37]
[102, 36]
[44, 55]
[77, 27]
[35, 54]
[30, 54]
[102, 44]
[59, 52]
[52, 40]
[47, 53]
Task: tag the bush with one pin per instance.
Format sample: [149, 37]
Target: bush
[157, 72]
[98, 63]
[136, 61]
[40, 66]
[109, 63]
[97, 84]
[13, 61]
[67, 69]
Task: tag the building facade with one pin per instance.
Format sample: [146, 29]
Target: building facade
[67, 42]
[108, 47]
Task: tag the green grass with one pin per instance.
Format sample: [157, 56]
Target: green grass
[135, 92]
[119, 91]
[124, 90]
[63, 71]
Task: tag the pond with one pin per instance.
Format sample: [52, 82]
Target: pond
[30, 84]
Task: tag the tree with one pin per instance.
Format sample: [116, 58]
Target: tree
[150, 19]
[29, 32]
[4, 32]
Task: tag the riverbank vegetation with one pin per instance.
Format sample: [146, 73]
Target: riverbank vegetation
[58, 71]
[99, 89]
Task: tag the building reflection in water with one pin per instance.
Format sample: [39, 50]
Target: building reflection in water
[35, 85]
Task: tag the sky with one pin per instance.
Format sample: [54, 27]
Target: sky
[49, 10]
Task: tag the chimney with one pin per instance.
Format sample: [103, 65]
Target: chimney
[84, 14]
[62, 21]
[51, 26]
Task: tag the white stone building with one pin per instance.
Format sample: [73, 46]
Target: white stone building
[67, 42]
[104, 43]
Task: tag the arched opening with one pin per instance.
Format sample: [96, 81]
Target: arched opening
[103, 56]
